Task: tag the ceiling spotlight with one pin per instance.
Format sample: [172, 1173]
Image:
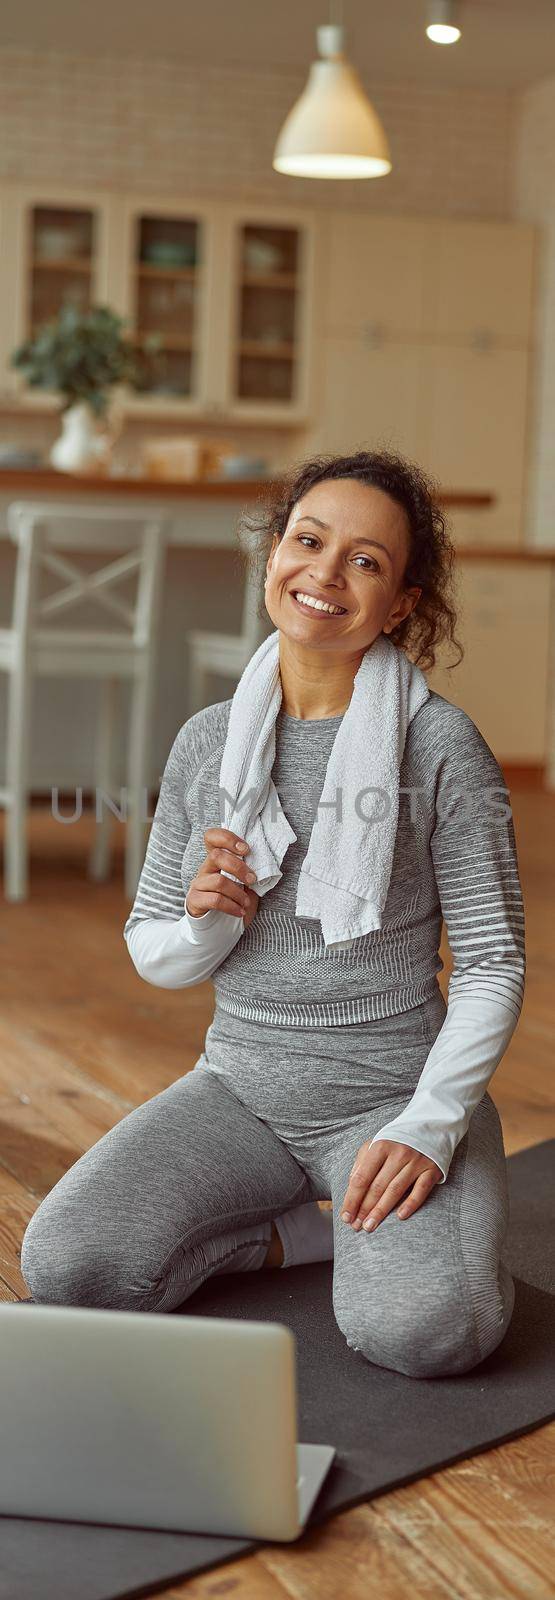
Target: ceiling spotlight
[442, 21]
[332, 131]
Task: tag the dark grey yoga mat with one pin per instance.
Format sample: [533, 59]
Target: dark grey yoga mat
[388, 1429]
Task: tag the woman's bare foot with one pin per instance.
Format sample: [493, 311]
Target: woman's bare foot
[274, 1257]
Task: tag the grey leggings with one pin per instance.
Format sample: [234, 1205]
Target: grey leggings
[184, 1181]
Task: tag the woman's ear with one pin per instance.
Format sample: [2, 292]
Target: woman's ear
[275, 542]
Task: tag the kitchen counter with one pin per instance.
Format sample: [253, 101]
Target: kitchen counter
[507, 595]
[38, 479]
[201, 514]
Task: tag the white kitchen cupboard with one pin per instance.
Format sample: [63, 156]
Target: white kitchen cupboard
[371, 394]
[226, 289]
[375, 275]
[505, 612]
[55, 249]
[475, 413]
[426, 346]
[369, 369]
[479, 366]
[483, 280]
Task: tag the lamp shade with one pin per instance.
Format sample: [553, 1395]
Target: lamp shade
[332, 131]
[442, 25]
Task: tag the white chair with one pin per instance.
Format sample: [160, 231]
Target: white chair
[32, 646]
[226, 654]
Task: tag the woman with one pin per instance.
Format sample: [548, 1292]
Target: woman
[327, 1074]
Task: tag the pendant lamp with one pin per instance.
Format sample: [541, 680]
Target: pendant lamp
[332, 131]
[443, 25]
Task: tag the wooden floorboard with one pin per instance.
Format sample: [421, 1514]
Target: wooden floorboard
[83, 1041]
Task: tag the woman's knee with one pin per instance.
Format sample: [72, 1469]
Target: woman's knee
[420, 1338]
[52, 1271]
[66, 1261]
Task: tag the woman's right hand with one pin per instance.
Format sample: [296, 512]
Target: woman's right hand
[211, 891]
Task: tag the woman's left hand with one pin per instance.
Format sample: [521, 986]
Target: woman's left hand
[380, 1178]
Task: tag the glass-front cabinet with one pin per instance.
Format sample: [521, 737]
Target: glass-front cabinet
[164, 254]
[61, 261]
[167, 263]
[220, 306]
[55, 253]
[271, 309]
[216, 298]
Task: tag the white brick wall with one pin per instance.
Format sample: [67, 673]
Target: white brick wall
[161, 123]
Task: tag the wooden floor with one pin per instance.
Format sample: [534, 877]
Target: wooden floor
[83, 1041]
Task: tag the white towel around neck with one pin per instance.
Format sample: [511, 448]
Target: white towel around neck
[344, 878]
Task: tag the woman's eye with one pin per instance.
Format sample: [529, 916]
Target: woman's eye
[312, 540]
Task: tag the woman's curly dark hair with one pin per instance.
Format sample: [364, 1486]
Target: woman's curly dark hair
[431, 556]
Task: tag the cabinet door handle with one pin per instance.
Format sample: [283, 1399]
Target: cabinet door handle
[373, 334]
[482, 339]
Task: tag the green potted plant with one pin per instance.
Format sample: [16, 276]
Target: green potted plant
[83, 355]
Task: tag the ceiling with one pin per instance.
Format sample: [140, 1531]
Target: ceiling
[505, 44]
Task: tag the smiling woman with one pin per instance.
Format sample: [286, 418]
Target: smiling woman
[332, 1069]
[354, 546]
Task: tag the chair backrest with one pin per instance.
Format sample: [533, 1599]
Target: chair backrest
[253, 628]
[41, 528]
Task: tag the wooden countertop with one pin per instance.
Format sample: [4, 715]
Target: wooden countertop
[28, 481]
[31, 478]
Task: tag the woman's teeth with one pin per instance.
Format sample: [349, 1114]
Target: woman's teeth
[307, 604]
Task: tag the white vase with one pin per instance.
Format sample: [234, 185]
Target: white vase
[81, 446]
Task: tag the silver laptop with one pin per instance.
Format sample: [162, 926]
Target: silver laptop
[140, 1420]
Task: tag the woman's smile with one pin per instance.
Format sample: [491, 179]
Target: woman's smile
[315, 611]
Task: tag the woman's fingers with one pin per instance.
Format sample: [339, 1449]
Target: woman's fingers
[240, 869]
[221, 894]
[221, 885]
[227, 860]
[381, 1175]
[213, 837]
[372, 1213]
[415, 1199]
[223, 881]
[367, 1164]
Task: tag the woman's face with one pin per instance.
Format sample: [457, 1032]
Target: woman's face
[347, 543]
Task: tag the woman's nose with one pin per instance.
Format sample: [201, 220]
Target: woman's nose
[327, 573]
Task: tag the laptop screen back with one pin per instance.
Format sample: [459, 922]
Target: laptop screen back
[132, 1419]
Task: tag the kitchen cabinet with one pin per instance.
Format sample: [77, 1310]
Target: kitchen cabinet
[55, 251]
[459, 281]
[163, 255]
[236, 319]
[426, 346]
[376, 275]
[505, 612]
[478, 363]
[225, 289]
[371, 393]
[475, 412]
[269, 319]
[482, 280]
